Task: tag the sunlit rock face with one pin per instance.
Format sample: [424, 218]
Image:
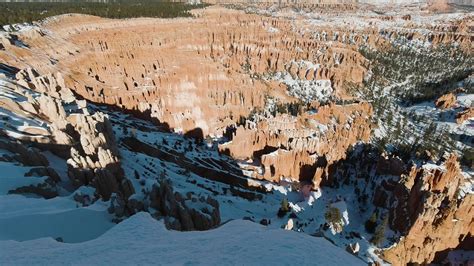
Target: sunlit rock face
[432, 211]
[210, 72]
[301, 147]
[200, 73]
[188, 73]
[281, 89]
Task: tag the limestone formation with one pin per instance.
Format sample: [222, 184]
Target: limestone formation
[446, 101]
[430, 212]
[95, 160]
[301, 147]
[180, 212]
[465, 115]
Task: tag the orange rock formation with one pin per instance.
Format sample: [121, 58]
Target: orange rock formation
[432, 212]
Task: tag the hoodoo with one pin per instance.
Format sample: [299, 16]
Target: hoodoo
[338, 132]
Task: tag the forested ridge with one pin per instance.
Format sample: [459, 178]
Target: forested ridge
[19, 12]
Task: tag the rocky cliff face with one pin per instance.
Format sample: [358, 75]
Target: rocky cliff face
[96, 160]
[93, 156]
[464, 115]
[428, 208]
[179, 211]
[86, 140]
[432, 211]
[301, 147]
[446, 101]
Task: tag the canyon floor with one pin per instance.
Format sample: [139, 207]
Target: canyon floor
[245, 134]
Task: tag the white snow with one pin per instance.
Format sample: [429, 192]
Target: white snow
[13, 176]
[308, 90]
[466, 100]
[468, 186]
[273, 30]
[143, 240]
[23, 218]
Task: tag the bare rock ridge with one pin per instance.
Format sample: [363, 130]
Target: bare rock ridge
[87, 140]
[93, 154]
[428, 206]
[96, 160]
[464, 115]
[446, 101]
[174, 205]
[300, 145]
[89, 144]
[431, 211]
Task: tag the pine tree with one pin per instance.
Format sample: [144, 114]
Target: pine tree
[334, 218]
[379, 235]
[371, 224]
[333, 215]
[284, 208]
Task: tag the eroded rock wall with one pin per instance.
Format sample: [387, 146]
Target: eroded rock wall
[301, 147]
[431, 211]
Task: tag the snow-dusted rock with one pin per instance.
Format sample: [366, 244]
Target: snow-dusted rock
[289, 225]
[185, 214]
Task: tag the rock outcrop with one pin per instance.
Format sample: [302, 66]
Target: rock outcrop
[85, 137]
[86, 140]
[429, 206]
[431, 212]
[184, 213]
[446, 101]
[26, 156]
[465, 115]
[95, 160]
[301, 147]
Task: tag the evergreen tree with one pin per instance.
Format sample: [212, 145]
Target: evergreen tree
[371, 224]
[333, 215]
[284, 208]
[379, 234]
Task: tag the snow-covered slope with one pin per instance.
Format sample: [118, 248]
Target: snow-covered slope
[25, 218]
[78, 219]
[143, 240]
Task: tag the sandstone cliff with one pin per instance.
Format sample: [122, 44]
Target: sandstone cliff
[432, 211]
[301, 147]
